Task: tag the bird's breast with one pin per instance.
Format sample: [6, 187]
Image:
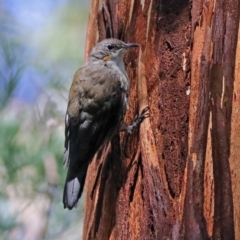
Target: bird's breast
[121, 75]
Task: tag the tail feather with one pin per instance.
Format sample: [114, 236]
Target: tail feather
[73, 188]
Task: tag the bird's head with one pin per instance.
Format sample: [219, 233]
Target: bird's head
[111, 49]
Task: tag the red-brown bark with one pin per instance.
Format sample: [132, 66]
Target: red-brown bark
[181, 177]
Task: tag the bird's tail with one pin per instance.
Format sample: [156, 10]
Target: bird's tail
[73, 187]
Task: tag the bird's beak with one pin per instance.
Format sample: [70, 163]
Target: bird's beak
[129, 45]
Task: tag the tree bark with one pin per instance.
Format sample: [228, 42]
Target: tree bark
[179, 177]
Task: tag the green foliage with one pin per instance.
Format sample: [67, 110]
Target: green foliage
[10, 69]
[32, 134]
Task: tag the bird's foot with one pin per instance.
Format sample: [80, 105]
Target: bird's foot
[138, 119]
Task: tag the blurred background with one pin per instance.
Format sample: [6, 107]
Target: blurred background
[41, 46]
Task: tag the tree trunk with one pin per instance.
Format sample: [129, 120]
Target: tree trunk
[178, 177]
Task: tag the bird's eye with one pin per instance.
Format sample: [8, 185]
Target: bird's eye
[110, 46]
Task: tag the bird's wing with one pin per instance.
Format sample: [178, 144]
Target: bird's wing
[97, 104]
[96, 100]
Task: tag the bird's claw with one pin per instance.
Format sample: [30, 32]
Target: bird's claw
[138, 119]
[144, 114]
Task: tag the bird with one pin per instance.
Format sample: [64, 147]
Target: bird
[97, 104]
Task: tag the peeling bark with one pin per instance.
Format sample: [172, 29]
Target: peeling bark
[180, 179]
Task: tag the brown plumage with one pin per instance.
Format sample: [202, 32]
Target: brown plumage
[97, 104]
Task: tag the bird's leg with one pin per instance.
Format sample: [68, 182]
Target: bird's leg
[137, 120]
[129, 128]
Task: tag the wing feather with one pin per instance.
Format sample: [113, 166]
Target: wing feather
[97, 104]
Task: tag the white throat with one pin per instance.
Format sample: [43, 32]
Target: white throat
[117, 62]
